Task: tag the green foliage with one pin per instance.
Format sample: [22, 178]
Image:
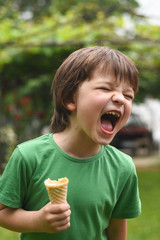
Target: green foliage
[8, 141]
[36, 36]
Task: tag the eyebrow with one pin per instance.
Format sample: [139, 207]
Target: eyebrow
[115, 82]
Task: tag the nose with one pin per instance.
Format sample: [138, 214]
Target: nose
[118, 98]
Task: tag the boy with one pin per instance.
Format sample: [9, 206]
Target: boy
[93, 92]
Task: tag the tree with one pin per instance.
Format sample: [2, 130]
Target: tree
[34, 45]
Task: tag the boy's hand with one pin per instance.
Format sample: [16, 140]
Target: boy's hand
[54, 218]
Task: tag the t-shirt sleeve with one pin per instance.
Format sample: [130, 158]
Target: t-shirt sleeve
[13, 182]
[128, 204]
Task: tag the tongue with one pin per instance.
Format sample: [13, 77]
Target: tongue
[107, 125]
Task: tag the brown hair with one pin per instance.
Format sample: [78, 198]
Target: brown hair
[78, 67]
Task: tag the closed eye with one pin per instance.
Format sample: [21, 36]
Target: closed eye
[105, 89]
[130, 97]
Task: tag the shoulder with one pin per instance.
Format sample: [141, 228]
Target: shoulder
[36, 144]
[119, 160]
[115, 152]
[32, 151]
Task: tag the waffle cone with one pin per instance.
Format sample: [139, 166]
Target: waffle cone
[57, 190]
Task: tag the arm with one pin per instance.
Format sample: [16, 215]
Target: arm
[117, 229]
[51, 218]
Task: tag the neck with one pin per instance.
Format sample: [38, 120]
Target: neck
[75, 145]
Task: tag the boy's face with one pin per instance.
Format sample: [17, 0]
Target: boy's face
[100, 108]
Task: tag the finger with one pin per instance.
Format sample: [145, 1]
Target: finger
[62, 223]
[63, 227]
[58, 208]
[61, 216]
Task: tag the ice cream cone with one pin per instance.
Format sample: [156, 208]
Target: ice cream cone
[57, 190]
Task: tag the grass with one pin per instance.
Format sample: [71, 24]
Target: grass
[147, 226]
[8, 235]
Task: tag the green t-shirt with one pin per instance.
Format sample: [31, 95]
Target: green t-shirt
[100, 187]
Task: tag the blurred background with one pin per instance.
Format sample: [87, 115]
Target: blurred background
[37, 35]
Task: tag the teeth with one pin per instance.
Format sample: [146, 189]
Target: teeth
[114, 113]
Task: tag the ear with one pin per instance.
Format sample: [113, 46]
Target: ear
[71, 106]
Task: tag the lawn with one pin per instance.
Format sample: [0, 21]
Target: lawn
[147, 226]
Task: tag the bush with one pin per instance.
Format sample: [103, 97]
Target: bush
[8, 141]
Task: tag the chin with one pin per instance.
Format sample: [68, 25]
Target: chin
[105, 141]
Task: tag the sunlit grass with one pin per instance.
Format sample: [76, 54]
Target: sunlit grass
[147, 226]
[8, 235]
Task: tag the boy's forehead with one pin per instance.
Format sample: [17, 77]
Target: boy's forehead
[109, 77]
[104, 75]
[103, 71]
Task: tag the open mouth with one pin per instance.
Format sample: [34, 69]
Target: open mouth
[109, 121]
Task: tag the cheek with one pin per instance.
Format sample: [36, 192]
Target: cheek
[89, 104]
[87, 114]
[128, 111]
